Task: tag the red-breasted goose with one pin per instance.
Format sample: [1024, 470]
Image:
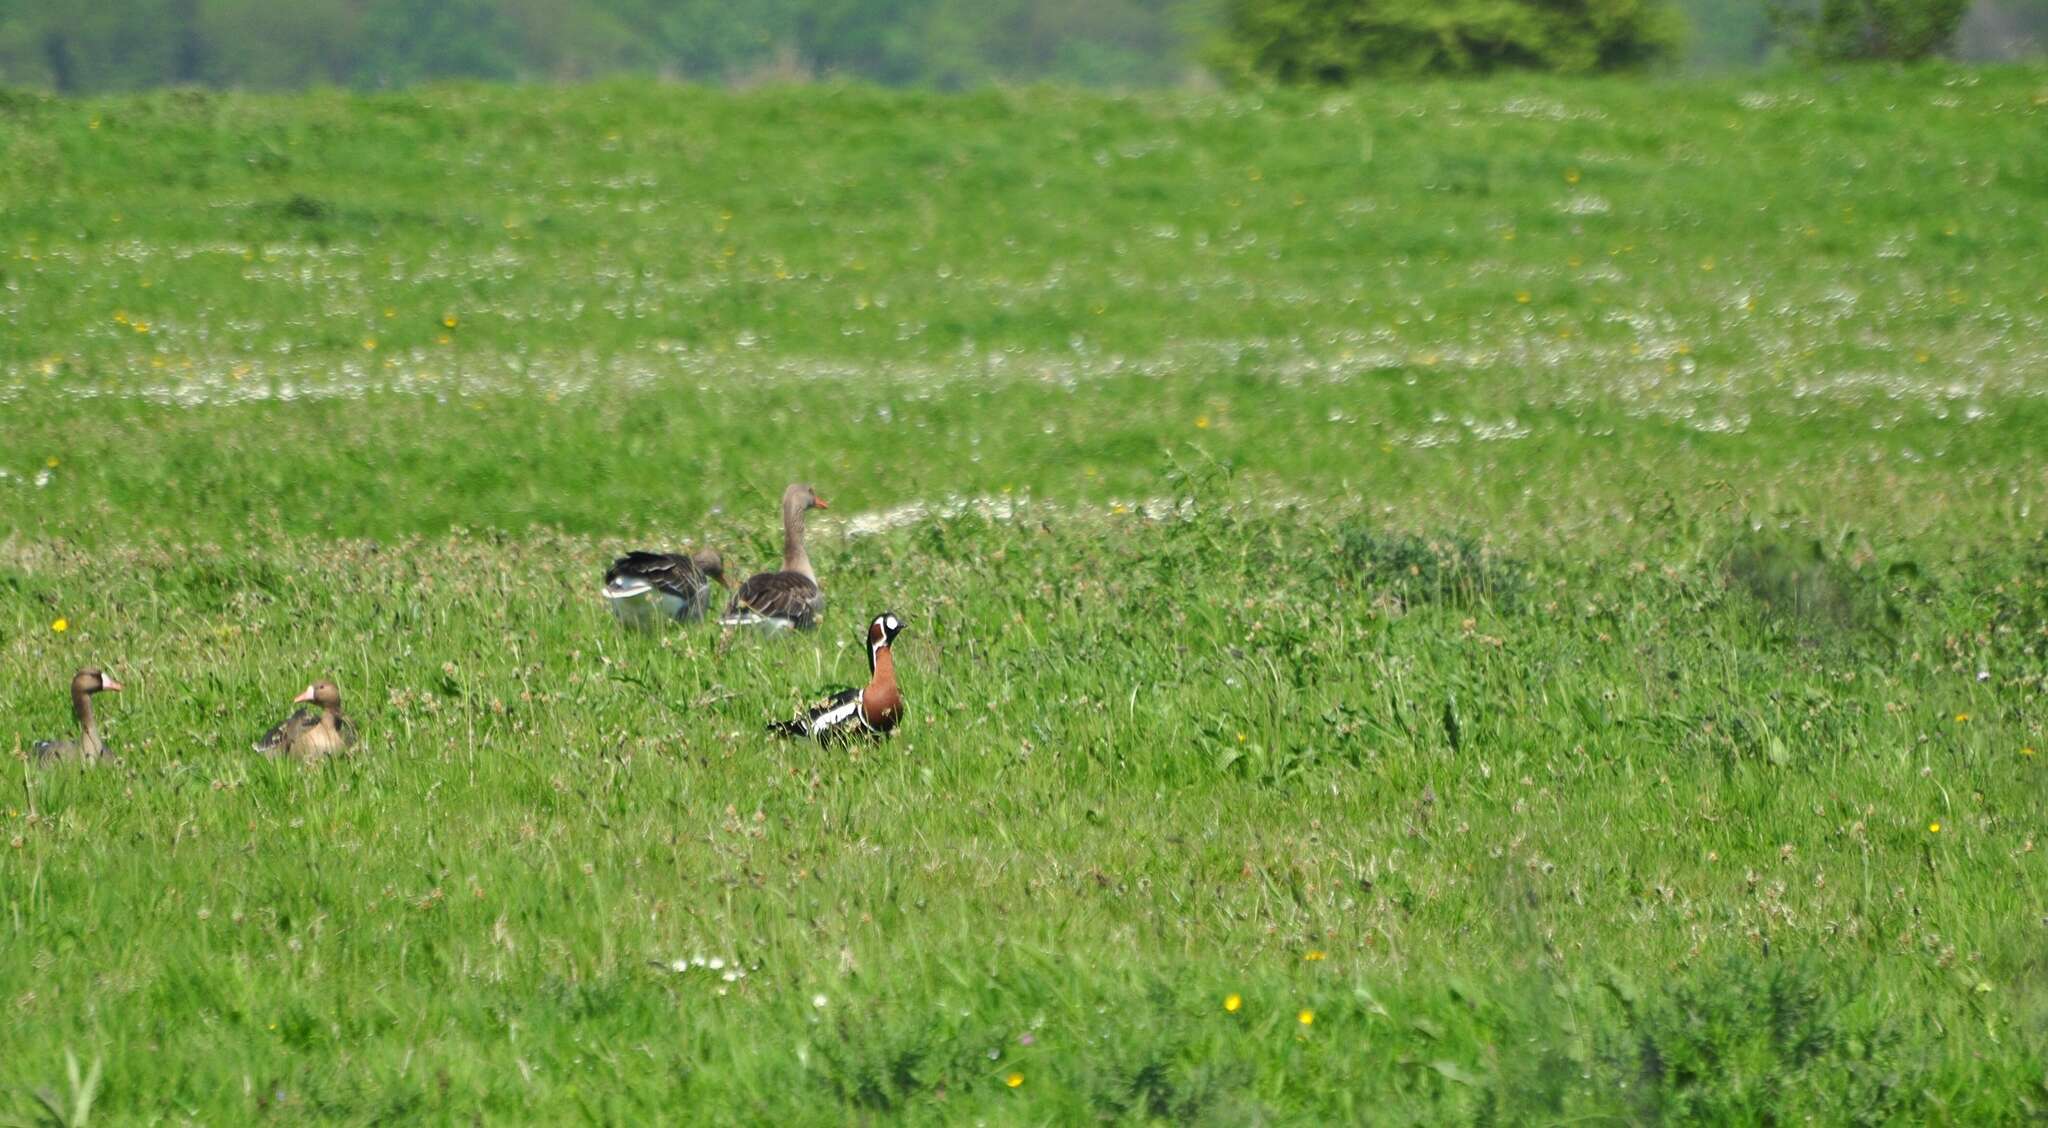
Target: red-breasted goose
[307, 735]
[789, 598]
[88, 748]
[871, 710]
[646, 587]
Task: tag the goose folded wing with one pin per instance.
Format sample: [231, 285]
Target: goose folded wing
[637, 571]
[825, 717]
[285, 732]
[779, 595]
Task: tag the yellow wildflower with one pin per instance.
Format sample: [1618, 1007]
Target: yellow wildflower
[61, 625]
[1934, 827]
[1014, 1080]
[1306, 1018]
[1314, 955]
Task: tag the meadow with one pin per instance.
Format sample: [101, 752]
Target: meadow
[1504, 602]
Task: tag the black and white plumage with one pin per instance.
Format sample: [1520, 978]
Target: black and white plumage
[643, 588]
[872, 710]
[791, 597]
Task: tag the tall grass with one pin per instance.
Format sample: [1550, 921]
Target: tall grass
[1533, 591]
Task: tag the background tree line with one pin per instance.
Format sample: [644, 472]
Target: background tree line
[94, 45]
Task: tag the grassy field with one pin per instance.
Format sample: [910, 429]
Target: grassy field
[1509, 602]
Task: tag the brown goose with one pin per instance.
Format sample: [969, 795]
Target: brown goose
[643, 587]
[871, 710]
[88, 748]
[307, 735]
[789, 598]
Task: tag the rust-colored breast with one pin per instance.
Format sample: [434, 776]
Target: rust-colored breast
[882, 706]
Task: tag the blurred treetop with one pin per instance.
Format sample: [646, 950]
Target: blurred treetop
[100, 45]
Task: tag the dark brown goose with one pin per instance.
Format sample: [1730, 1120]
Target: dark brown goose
[789, 598]
[644, 588]
[88, 748]
[871, 710]
[306, 735]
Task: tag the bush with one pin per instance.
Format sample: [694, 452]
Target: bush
[1335, 42]
[1756, 1041]
[1843, 30]
[1452, 570]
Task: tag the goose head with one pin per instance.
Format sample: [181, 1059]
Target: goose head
[93, 680]
[712, 564]
[800, 497]
[882, 630]
[321, 693]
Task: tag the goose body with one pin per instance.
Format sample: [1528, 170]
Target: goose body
[872, 710]
[790, 598]
[88, 748]
[776, 601]
[309, 735]
[644, 588]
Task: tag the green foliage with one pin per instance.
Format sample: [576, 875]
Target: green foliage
[1447, 569]
[73, 1107]
[1805, 587]
[128, 44]
[1746, 1041]
[1846, 30]
[1339, 42]
[1727, 33]
[2015, 630]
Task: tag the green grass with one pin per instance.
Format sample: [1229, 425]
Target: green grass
[1515, 570]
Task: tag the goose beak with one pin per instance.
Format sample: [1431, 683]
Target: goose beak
[304, 697]
[109, 684]
[819, 502]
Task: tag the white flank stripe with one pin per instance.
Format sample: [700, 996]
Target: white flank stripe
[626, 587]
[833, 718]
